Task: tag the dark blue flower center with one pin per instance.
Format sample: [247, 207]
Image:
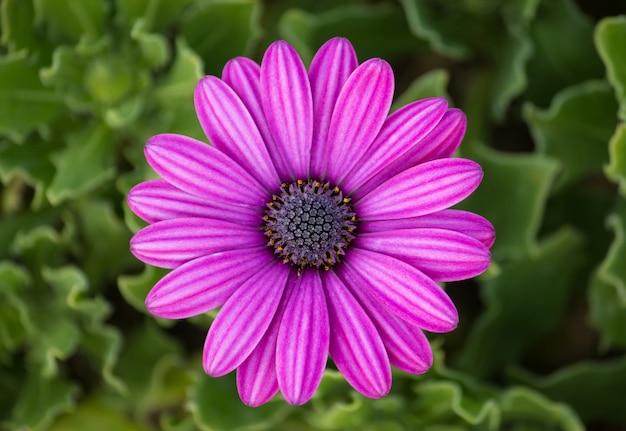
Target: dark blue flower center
[309, 224]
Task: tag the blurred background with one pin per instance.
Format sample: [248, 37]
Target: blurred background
[84, 84]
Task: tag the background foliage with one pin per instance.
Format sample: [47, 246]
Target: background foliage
[84, 83]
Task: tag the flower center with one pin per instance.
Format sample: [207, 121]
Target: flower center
[309, 224]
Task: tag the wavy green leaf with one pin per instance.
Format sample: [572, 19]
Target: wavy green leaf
[575, 129]
[441, 25]
[17, 19]
[233, 24]
[594, 389]
[307, 31]
[616, 169]
[157, 14]
[607, 294]
[86, 163]
[609, 38]
[135, 288]
[538, 286]
[29, 162]
[102, 260]
[25, 104]
[73, 18]
[564, 51]
[150, 367]
[215, 406]
[40, 400]
[430, 84]
[520, 185]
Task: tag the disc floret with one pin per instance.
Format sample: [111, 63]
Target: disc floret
[309, 223]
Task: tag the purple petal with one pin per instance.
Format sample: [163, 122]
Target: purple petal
[170, 243]
[407, 346]
[302, 347]
[424, 189]
[203, 171]
[360, 111]
[205, 283]
[157, 200]
[440, 143]
[244, 76]
[230, 127]
[355, 345]
[443, 255]
[243, 320]
[456, 220]
[332, 65]
[402, 288]
[256, 376]
[288, 106]
[401, 131]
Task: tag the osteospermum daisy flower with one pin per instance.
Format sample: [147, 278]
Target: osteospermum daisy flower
[319, 223]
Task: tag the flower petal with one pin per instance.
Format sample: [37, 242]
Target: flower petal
[156, 200]
[203, 171]
[170, 243]
[331, 66]
[361, 110]
[355, 345]
[407, 346]
[423, 189]
[244, 76]
[243, 320]
[302, 346]
[256, 376]
[288, 105]
[402, 130]
[443, 255]
[205, 283]
[460, 221]
[441, 142]
[402, 288]
[230, 127]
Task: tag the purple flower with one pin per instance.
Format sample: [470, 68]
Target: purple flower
[318, 222]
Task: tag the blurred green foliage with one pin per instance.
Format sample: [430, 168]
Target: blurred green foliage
[84, 83]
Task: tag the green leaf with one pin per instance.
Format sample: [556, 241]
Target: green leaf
[523, 408]
[24, 102]
[575, 129]
[215, 406]
[307, 31]
[135, 288]
[616, 169]
[87, 162]
[150, 367]
[607, 295]
[40, 400]
[430, 84]
[157, 14]
[564, 51]
[30, 162]
[15, 281]
[103, 260]
[94, 414]
[593, 389]
[233, 24]
[153, 46]
[174, 94]
[538, 286]
[443, 29]
[521, 183]
[511, 55]
[17, 19]
[73, 18]
[609, 38]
